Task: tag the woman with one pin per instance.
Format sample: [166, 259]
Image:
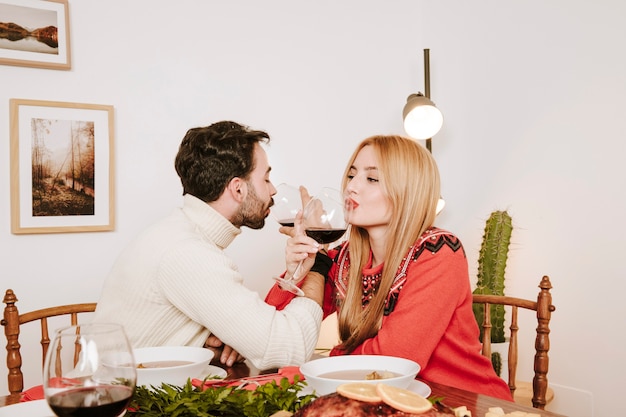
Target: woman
[399, 284]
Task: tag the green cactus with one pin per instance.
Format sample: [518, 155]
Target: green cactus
[496, 361]
[491, 265]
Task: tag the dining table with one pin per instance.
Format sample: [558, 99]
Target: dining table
[477, 404]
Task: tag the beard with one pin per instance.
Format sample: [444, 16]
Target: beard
[253, 210]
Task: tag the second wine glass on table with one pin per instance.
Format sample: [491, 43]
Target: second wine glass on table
[324, 220]
[89, 370]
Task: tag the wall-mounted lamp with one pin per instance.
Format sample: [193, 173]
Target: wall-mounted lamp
[422, 119]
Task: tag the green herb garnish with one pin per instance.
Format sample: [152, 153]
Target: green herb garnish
[435, 400]
[189, 401]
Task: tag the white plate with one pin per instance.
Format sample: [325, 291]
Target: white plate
[416, 386]
[213, 371]
[38, 408]
[420, 388]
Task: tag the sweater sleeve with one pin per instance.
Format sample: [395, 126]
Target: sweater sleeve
[281, 298]
[205, 285]
[436, 284]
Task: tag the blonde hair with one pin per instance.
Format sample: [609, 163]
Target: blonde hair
[409, 177]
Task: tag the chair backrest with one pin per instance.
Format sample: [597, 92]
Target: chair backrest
[13, 320]
[544, 308]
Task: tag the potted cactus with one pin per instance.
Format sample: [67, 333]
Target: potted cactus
[491, 266]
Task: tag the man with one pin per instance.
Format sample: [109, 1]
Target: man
[174, 285]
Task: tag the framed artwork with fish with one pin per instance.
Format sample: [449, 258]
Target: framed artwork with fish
[35, 33]
[61, 167]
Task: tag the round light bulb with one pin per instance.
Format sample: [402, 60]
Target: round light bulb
[422, 119]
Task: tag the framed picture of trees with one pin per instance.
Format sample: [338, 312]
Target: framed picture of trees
[62, 171]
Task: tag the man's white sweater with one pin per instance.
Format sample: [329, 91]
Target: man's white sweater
[174, 285]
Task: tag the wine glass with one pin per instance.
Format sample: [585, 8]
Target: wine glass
[325, 221]
[287, 203]
[89, 370]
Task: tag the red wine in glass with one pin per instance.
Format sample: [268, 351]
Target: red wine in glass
[98, 401]
[325, 236]
[89, 370]
[287, 203]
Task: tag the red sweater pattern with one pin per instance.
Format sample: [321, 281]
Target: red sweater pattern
[428, 315]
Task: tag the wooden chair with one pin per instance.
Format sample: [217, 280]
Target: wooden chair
[544, 308]
[12, 322]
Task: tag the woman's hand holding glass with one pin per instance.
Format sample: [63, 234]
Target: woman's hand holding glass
[299, 256]
[321, 222]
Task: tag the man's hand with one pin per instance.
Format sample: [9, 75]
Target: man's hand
[227, 355]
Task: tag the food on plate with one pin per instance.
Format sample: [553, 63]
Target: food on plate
[381, 375]
[462, 411]
[403, 399]
[335, 405]
[359, 374]
[359, 391]
[499, 412]
[325, 374]
[282, 413]
[162, 364]
[359, 399]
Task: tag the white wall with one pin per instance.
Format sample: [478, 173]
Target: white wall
[532, 94]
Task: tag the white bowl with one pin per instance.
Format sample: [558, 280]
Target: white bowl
[316, 371]
[172, 364]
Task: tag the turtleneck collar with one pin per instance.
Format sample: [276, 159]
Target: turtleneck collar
[211, 223]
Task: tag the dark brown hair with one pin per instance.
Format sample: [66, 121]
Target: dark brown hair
[209, 157]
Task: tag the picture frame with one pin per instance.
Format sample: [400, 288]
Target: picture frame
[62, 167]
[35, 33]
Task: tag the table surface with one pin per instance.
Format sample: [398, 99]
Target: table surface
[479, 404]
[452, 397]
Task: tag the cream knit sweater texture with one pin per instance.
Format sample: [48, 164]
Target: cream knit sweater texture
[174, 285]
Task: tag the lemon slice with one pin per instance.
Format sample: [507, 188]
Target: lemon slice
[359, 391]
[402, 399]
